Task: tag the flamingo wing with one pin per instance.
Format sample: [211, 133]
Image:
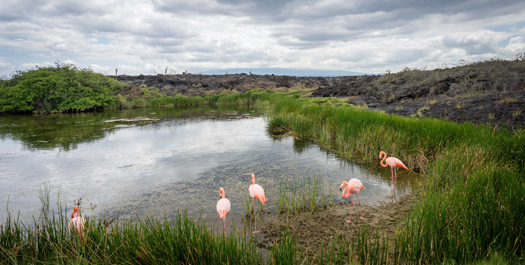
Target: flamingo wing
[223, 208]
[257, 192]
[399, 163]
[394, 162]
[355, 185]
[77, 223]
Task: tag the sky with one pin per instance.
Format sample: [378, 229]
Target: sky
[173, 36]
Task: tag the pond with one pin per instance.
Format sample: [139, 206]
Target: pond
[157, 162]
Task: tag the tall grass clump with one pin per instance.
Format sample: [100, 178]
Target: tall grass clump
[473, 193]
[140, 241]
[309, 193]
[480, 214]
[285, 251]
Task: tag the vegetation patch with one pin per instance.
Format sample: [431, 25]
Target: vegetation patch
[62, 88]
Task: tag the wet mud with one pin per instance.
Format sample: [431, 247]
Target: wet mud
[320, 228]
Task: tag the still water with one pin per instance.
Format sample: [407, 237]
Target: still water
[159, 161]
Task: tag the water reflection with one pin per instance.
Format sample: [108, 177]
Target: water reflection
[67, 131]
[158, 162]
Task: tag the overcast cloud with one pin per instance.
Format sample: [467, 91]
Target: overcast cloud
[146, 36]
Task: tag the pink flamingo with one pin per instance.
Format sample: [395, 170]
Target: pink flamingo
[223, 207]
[256, 192]
[392, 162]
[77, 222]
[349, 188]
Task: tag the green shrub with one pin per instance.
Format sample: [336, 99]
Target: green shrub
[63, 88]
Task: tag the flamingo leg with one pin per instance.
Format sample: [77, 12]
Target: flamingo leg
[351, 206]
[395, 172]
[392, 171]
[224, 225]
[362, 218]
[255, 217]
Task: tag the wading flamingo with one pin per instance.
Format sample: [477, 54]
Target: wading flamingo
[349, 188]
[392, 162]
[77, 222]
[256, 192]
[223, 207]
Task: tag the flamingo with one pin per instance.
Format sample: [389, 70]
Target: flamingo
[392, 162]
[223, 207]
[349, 188]
[77, 222]
[256, 192]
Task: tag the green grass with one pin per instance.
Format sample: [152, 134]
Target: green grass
[309, 193]
[223, 99]
[286, 251]
[145, 240]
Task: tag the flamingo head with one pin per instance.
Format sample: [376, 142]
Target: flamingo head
[253, 179]
[222, 194]
[362, 188]
[75, 210]
[381, 154]
[344, 184]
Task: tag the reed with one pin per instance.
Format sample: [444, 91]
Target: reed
[285, 251]
[479, 216]
[307, 194]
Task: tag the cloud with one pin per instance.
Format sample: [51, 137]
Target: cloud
[367, 36]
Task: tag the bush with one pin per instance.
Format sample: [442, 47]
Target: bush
[62, 88]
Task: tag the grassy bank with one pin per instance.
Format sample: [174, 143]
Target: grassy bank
[223, 99]
[473, 194]
[139, 241]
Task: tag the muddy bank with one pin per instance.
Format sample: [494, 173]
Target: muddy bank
[321, 227]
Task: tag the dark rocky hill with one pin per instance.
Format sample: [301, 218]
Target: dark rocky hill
[485, 92]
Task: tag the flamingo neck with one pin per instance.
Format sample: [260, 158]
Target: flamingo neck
[383, 162]
[77, 211]
[346, 192]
